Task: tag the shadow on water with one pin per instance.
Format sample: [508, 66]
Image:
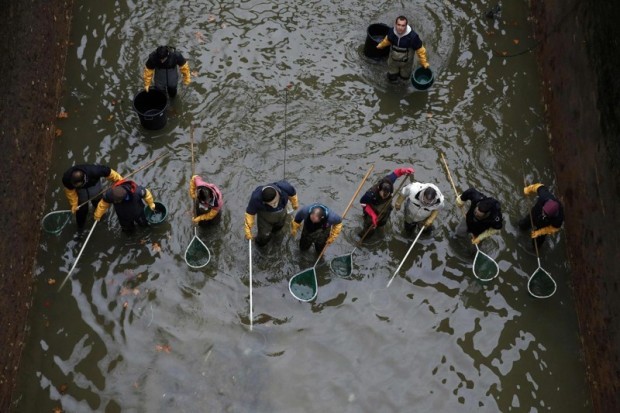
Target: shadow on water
[138, 330]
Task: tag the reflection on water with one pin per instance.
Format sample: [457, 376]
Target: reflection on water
[138, 330]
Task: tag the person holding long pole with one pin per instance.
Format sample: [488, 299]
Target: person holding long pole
[83, 183]
[546, 216]
[128, 199]
[376, 202]
[422, 204]
[484, 217]
[321, 226]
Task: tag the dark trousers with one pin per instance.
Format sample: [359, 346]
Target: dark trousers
[318, 238]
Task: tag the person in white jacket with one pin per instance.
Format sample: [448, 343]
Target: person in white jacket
[422, 205]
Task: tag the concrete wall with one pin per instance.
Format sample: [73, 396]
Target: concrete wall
[579, 58]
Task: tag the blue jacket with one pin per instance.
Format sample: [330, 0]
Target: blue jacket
[256, 203]
[303, 214]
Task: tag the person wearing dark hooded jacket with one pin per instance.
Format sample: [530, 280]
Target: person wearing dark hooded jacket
[484, 217]
[128, 199]
[547, 214]
[83, 183]
[321, 226]
[403, 42]
[377, 201]
[161, 66]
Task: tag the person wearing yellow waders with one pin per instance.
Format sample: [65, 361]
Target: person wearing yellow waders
[547, 214]
[83, 182]
[422, 204]
[128, 199]
[161, 66]
[268, 205]
[208, 200]
[321, 226]
[377, 201]
[403, 42]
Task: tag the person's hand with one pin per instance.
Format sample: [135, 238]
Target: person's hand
[534, 234]
[248, 236]
[397, 206]
[146, 89]
[428, 222]
[152, 206]
[426, 66]
[186, 82]
[403, 171]
[195, 220]
[459, 202]
[475, 240]
[74, 209]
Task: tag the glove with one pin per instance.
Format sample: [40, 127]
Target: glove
[74, 209]
[403, 171]
[114, 176]
[152, 206]
[429, 221]
[247, 227]
[294, 202]
[531, 189]
[72, 197]
[192, 187]
[146, 89]
[205, 217]
[294, 227]
[333, 233]
[485, 234]
[459, 202]
[383, 44]
[186, 74]
[548, 230]
[372, 214]
[421, 52]
[147, 74]
[399, 201]
[475, 240]
[102, 207]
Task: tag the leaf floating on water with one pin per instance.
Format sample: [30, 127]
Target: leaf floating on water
[51, 281]
[211, 18]
[110, 118]
[58, 133]
[57, 410]
[63, 115]
[163, 347]
[516, 41]
[142, 242]
[125, 304]
[156, 247]
[62, 389]
[195, 73]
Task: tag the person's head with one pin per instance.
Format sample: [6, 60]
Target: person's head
[429, 196]
[317, 214]
[385, 189]
[118, 194]
[205, 196]
[270, 196]
[551, 208]
[162, 53]
[78, 178]
[401, 24]
[483, 208]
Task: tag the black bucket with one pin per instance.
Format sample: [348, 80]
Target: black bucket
[422, 79]
[151, 108]
[375, 33]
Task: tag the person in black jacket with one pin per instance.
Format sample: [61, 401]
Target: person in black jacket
[547, 214]
[162, 65]
[484, 217]
[83, 182]
[128, 199]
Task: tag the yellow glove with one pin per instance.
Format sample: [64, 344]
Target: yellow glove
[384, 43]
[114, 176]
[148, 198]
[247, 227]
[205, 217]
[295, 227]
[429, 221]
[485, 234]
[147, 74]
[294, 202]
[102, 207]
[531, 189]
[399, 201]
[333, 233]
[544, 231]
[192, 187]
[72, 197]
[459, 202]
[421, 52]
[186, 74]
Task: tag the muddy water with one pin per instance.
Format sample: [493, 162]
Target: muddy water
[137, 330]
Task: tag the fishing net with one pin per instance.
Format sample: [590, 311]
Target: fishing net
[485, 268]
[303, 285]
[55, 221]
[342, 266]
[197, 255]
[541, 284]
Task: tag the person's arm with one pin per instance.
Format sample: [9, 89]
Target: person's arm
[72, 197]
[102, 208]
[485, 234]
[114, 176]
[192, 187]
[429, 221]
[531, 189]
[186, 73]
[373, 215]
[247, 225]
[384, 43]
[333, 233]
[148, 198]
[548, 230]
[421, 52]
[205, 217]
[147, 74]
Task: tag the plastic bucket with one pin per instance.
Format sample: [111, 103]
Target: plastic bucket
[151, 108]
[158, 216]
[375, 33]
[422, 79]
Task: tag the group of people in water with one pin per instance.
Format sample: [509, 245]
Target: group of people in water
[267, 206]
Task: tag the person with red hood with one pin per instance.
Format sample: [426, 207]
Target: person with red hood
[208, 200]
[128, 199]
[547, 214]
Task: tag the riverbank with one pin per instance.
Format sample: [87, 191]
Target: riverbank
[578, 60]
[34, 45]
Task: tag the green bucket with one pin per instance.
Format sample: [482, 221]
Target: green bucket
[158, 216]
[422, 78]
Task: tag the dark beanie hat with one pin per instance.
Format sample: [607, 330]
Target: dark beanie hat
[162, 52]
[269, 193]
[551, 208]
[486, 205]
[118, 194]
